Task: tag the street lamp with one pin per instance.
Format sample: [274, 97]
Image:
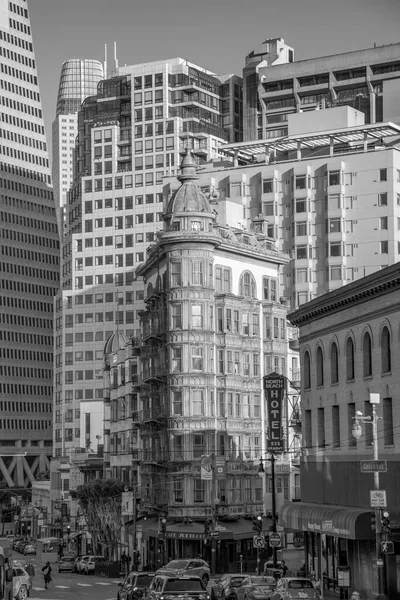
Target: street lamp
[261, 472]
[357, 432]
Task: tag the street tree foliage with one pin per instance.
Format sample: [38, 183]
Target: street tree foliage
[100, 501]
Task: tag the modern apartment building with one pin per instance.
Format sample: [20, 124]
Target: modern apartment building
[275, 86]
[29, 259]
[331, 197]
[78, 80]
[130, 135]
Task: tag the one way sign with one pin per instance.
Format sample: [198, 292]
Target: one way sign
[387, 547]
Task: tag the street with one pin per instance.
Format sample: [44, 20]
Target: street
[71, 585]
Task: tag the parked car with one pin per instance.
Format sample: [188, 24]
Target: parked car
[225, 587]
[88, 566]
[295, 587]
[195, 566]
[255, 587]
[134, 585]
[162, 586]
[16, 541]
[21, 583]
[21, 545]
[66, 563]
[80, 564]
[29, 549]
[76, 561]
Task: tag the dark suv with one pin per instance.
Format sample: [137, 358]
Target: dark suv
[134, 586]
[170, 588]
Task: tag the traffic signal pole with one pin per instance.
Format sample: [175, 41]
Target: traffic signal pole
[274, 549]
[378, 525]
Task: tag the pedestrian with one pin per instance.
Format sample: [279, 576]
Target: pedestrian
[30, 569]
[128, 563]
[47, 574]
[124, 563]
[283, 568]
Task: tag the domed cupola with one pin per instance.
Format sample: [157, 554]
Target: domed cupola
[116, 341]
[188, 208]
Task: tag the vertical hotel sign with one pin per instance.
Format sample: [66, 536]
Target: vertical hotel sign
[275, 386]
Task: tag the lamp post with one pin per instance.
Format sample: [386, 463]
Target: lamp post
[357, 432]
[261, 472]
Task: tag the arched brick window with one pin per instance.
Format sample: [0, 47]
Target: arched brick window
[334, 363]
[386, 357]
[307, 370]
[367, 355]
[349, 359]
[320, 367]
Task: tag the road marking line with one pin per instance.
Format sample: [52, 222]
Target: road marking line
[102, 583]
[85, 584]
[62, 587]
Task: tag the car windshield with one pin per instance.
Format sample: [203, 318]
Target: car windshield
[183, 585]
[297, 584]
[236, 581]
[260, 581]
[144, 580]
[177, 564]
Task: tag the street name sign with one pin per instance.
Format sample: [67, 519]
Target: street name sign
[214, 534]
[378, 498]
[371, 466]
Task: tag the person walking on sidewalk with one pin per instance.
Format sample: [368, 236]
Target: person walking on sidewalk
[47, 574]
[30, 569]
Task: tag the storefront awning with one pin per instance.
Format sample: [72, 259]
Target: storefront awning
[228, 530]
[340, 521]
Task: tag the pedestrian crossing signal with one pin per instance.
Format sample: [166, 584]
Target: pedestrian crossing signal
[387, 547]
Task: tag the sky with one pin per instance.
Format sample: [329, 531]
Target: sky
[215, 34]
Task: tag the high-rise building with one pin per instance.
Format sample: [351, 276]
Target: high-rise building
[274, 86]
[29, 259]
[79, 79]
[330, 191]
[130, 135]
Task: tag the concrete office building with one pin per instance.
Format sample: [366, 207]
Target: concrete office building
[275, 85]
[130, 135]
[78, 80]
[29, 265]
[331, 197]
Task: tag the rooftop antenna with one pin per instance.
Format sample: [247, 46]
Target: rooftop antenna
[115, 58]
[105, 61]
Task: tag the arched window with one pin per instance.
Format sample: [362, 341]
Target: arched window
[367, 355]
[349, 359]
[247, 286]
[386, 357]
[334, 363]
[307, 370]
[320, 367]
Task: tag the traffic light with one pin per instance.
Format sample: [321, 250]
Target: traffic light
[373, 522]
[257, 524]
[68, 530]
[163, 528]
[385, 521]
[207, 527]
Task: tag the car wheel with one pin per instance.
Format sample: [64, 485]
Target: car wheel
[22, 593]
[205, 579]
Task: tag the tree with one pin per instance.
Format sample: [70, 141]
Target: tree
[100, 501]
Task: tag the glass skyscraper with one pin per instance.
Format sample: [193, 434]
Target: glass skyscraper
[78, 80]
